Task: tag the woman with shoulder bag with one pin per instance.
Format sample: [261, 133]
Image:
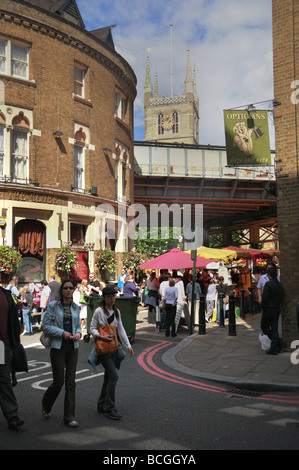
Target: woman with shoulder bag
[65, 334]
[101, 317]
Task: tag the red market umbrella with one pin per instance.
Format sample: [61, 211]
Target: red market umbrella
[174, 259]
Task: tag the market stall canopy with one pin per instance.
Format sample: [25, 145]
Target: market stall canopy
[174, 259]
[271, 251]
[216, 254]
[248, 252]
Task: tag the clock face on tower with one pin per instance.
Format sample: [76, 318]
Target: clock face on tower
[167, 122]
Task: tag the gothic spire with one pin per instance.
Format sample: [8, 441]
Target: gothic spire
[189, 87]
[156, 89]
[148, 83]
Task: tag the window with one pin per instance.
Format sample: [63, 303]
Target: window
[160, 121]
[1, 150]
[175, 127]
[19, 61]
[121, 157]
[3, 56]
[14, 59]
[19, 161]
[79, 166]
[120, 105]
[78, 234]
[79, 81]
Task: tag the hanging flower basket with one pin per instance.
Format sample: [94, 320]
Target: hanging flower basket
[132, 259]
[10, 260]
[106, 260]
[65, 259]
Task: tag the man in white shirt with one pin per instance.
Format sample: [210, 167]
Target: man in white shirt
[12, 286]
[181, 304]
[45, 294]
[262, 281]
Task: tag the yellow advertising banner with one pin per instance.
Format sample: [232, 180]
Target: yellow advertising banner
[247, 137]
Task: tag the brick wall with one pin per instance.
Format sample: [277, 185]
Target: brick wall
[55, 46]
[286, 70]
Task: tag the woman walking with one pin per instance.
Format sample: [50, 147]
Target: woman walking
[108, 313]
[61, 321]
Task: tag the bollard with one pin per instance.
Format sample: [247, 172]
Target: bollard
[221, 297]
[202, 317]
[231, 315]
[242, 304]
[251, 299]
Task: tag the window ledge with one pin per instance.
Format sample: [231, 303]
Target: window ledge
[123, 123]
[25, 81]
[82, 100]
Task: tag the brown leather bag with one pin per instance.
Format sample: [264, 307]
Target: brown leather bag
[106, 347]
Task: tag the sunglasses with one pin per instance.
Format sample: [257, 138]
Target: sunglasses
[68, 288]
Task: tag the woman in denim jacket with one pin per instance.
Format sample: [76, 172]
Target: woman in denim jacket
[65, 333]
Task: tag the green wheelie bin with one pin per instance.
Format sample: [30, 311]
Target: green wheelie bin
[128, 307]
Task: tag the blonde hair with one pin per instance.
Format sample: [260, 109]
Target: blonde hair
[171, 282]
[83, 285]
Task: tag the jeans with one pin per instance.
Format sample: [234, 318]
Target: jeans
[170, 319]
[269, 326]
[106, 400]
[27, 320]
[218, 309]
[64, 361]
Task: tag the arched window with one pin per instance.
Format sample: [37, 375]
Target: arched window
[2, 144]
[79, 157]
[175, 118]
[160, 121]
[19, 149]
[29, 237]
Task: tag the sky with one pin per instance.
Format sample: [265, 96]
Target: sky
[230, 45]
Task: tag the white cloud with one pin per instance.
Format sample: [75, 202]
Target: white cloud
[230, 44]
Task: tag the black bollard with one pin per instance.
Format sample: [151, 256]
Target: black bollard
[242, 304]
[232, 315]
[202, 317]
[251, 299]
[221, 297]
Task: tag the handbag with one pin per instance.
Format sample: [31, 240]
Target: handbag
[107, 347]
[19, 358]
[162, 305]
[46, 340]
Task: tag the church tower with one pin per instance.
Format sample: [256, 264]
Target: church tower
[171, 119]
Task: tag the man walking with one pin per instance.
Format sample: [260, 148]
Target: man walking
[55, 289]
[272, 298]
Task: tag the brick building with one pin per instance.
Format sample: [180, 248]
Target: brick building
[66, 132]
[286, 87]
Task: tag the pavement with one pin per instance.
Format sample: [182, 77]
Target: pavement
[235, 360]
[216, 356]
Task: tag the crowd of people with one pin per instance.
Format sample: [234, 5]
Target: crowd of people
[62, 323]
[61, 312]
